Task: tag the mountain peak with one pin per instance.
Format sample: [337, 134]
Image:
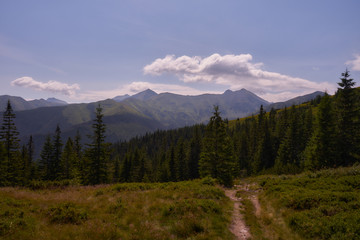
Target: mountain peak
[56, 101]
[121, 97]
[228, 92]
[145, 95]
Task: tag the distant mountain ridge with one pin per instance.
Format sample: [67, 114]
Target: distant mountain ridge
[135, 115]
[20, 104]
[295, 101]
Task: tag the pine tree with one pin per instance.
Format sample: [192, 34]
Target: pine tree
[181, 167]
[3, 166]
[98, 151]
[31, 171]
[216, 158]
[194, 154]
[263, 156]
[46, 157]
[67, 163]
[80, 164]
[321, 151]
[172, 166]
[288, 155]
[116, 173]
[57, 151]
[348, 120]
[9, 137]
[125, 170]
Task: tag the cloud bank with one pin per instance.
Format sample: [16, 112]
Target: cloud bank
[50, 86]
[354, 64]
[236, 72]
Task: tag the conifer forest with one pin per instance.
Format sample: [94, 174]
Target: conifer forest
[322, 133]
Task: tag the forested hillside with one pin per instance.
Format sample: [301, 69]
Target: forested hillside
[318, 134]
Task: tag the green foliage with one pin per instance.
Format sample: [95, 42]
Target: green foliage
[348, 124]
[97, 152]
[67, 212]
[216, 158]
[10, 140]
[159, 211]
[320, 205]
[14, 216]
[321, 150]
[42, 185]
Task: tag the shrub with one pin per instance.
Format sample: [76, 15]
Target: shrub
[67, 213]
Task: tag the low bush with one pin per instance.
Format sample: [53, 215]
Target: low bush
[67, 213]
[319, 205]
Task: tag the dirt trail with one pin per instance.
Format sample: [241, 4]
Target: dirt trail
[238, 226]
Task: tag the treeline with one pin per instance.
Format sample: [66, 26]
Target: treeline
[58, 161]
[319, 134]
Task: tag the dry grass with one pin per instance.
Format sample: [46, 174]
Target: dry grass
[186, 210]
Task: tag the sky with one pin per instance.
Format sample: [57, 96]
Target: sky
[90, 50]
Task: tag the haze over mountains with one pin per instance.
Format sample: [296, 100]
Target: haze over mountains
[20, 104]
[129, 116]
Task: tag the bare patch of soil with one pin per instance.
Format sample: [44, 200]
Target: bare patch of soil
[238, 226]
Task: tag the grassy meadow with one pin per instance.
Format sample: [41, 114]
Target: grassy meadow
[311, 205]
[184, 210]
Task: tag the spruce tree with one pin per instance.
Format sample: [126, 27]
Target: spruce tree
[321, 150]
[288, 155]
[180, 158]
[98, 151]
[194, 154]
[116, 172]
[67, 163]
[348, 120]
[80, 164]
[46, 170]
[172, 166]
[57, 151]
[3, 166]
[31, 171]
[9, 137]
[125, 170]
[216, 158]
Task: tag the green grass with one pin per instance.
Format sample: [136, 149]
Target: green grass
[185, 210]
[321, 205]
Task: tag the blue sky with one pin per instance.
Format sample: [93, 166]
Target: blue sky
[83, 51]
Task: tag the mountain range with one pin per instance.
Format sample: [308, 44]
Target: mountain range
[129, 116]
[20, 104]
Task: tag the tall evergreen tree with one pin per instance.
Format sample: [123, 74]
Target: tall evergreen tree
[125, 170]
[116, 172]
[46, 170]
[31, 171]
[194, 154]
[57, 151]
[80, 164]
[181, 166]
[216, 158]
[321, 150]
[3, 166]
[98, 151]
[288, 155]
[348, 120]
[172, 166]
[68, 158]
[9, 137]
[263, 156]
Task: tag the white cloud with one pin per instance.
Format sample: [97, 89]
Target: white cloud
[354, 64]
[236, 72]
[50, 86]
